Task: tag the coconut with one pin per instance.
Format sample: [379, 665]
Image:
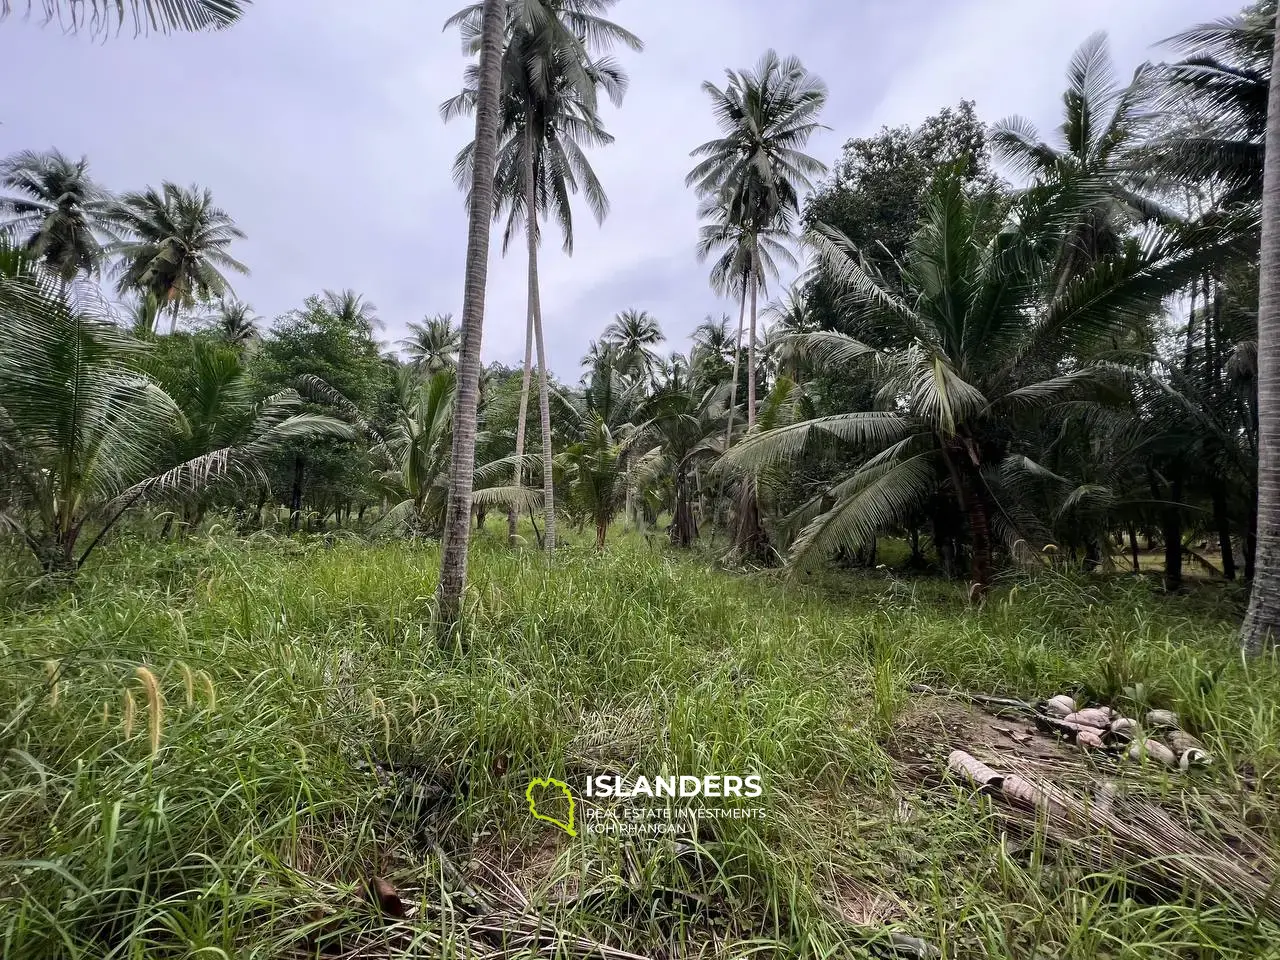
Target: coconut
[1124, 728]
[1089, 739]
[1097, 717]
[1162, 718]
[1153, 750]
[1060, 706]
[1195, 757]
[1180, 741]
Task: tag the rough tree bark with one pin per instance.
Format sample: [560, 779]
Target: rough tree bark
[457, 525]
[1262, 622]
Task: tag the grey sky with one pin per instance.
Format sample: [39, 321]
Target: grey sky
[320, 133]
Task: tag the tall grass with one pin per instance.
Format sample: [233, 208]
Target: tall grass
[215, 749]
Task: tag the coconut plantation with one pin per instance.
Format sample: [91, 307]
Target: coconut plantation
[591, 479]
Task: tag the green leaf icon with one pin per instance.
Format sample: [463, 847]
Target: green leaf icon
[550, 783]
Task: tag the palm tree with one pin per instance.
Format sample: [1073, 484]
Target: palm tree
[236, 324]
[104, 17]
[84, 435]
[753, 174]
[413, 453]
[633, 335]
[176, 247]
[548, 114]
[1099, 126]
[1222, 84]
[748, 258]
[987, 336]
[55, 211]
[462, 460]
[1262, 622]
[433, 344]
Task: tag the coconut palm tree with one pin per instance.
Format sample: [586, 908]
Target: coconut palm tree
[1222, 83]
[84, 434]
[988, 335]
[753, 174]
[548, 115]
[176, 246]
[236, 324]
[633, 335]
[412, 455]
[1101, 121]
[1262, 622]
[104, 17]
[433, 344]
[462, 459]
[54, 209]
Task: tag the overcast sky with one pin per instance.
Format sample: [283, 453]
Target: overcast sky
[321, 135]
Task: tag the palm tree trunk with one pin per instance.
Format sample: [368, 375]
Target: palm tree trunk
[535, 308]
[751, 358]
[737, 354]
[457, 525]
[1262, 622]
[1223, 523]
[524, 416]
[1171, 531]
[1133, 546]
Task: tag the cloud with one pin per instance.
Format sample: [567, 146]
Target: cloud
[320, 134]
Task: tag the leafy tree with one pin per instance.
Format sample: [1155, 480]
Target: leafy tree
[329, 340]
[176, 246]
[54, 210]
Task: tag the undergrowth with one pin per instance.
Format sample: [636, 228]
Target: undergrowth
[217, 748]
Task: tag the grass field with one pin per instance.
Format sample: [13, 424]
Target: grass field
[255, 748]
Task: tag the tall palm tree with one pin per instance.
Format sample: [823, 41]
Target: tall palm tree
[1262, 622]
[103, 17]
[748, 257]
[462, 460]
[754, 172]
[54, 210]
[176, 246]
[634, 334]
[433, 344]
[548, 114]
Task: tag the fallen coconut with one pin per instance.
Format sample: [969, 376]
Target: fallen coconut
[1195, 757]
[1180, 741]
[1162, 718]
[1124, 728]
[1089, 739]
[1097, 717]
[1153, 750]
[1060, 706]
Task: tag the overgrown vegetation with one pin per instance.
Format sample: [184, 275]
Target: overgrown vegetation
[217, 746]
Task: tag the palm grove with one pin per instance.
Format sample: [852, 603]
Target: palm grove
[1005, 348]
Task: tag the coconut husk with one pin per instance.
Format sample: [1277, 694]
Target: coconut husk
[1124, 729]
[1180, 742]
[1089, 739]
[974, 770]
[1162, 719]
[1152, 750]
[1060, 706]
[1097, 717]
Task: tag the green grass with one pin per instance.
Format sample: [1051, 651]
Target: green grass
[312, 735]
